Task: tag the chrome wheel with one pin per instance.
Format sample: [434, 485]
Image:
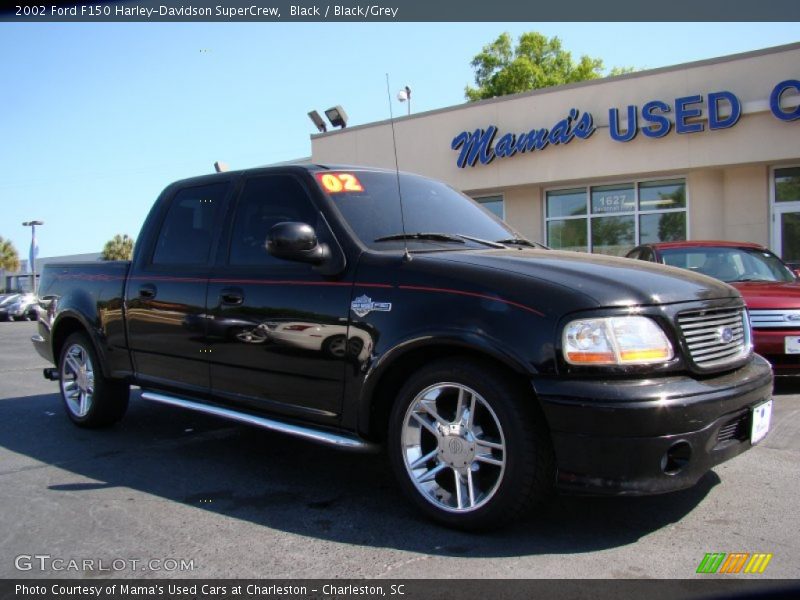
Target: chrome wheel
[453, 447]
[77, 380]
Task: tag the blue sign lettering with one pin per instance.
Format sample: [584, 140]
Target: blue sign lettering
[477, 145]
[775, 100]
[613, 125]
[474, 146]
[714, 120]
[660, 125]
[683, 112]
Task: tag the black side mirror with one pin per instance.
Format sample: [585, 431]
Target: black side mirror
[296, 241]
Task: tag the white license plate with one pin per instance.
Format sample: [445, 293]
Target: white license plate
[761, 416]
[791, 344]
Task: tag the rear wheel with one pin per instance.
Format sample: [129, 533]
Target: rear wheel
[468, 446]
[91, 400]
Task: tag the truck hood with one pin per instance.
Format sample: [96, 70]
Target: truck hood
[607, 280]
[772, 294]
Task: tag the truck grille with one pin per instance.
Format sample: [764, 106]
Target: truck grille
[715, 337]
[775, 319]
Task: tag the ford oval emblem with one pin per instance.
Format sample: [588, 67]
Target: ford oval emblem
[793, 317]
[725, 334]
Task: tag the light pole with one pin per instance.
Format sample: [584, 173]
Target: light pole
[405, 95]
[32, 253]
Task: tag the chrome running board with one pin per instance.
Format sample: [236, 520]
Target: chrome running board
[338, 440]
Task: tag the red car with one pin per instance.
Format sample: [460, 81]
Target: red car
[770, 289]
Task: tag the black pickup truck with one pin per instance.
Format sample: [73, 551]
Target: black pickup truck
[309, 300]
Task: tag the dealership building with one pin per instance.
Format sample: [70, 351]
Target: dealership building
[704, 150]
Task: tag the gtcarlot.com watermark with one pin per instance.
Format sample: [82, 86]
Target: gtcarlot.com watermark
[47, 562]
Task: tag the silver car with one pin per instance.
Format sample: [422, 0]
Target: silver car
[18, 306]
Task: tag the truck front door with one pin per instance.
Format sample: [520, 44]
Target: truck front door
[277, 328]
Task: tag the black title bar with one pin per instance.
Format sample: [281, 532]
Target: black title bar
[400, 11]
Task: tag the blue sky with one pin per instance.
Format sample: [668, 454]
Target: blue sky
[98, 118]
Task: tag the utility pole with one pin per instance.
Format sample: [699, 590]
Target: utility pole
[33, 251]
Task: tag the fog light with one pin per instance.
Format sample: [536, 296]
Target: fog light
[676, 458]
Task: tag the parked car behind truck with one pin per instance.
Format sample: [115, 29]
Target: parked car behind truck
[18, 306]
[769, 287]
[491, 370]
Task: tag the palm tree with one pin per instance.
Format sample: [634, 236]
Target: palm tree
[9, 258]
[120, 247]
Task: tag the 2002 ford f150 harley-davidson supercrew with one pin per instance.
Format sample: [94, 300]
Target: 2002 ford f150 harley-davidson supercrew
[308, 300]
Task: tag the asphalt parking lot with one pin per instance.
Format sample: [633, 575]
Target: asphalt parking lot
[232, 501]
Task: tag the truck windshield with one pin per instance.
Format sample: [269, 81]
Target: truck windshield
[729, 264]
[436, 215]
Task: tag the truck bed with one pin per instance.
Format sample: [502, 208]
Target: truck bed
[92, 294]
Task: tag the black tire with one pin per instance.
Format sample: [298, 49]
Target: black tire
[506, 415]
[91, 401]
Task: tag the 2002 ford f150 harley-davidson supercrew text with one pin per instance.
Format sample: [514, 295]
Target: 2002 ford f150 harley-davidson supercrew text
[492, 369]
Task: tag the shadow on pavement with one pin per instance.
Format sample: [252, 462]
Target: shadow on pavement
[279, 482]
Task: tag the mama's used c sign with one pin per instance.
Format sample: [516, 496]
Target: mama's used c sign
[654, 119]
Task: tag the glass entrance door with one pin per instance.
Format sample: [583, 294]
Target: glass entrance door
[786, 215]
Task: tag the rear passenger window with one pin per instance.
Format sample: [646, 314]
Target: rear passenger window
[187, 231]
[265, 202]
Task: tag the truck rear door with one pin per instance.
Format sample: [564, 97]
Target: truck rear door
[166, 291]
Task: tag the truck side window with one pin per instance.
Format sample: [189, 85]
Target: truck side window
[265, 202]
[187, 231]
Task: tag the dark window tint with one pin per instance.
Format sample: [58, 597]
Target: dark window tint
[428, 206]
[187, 231]
[265, 202]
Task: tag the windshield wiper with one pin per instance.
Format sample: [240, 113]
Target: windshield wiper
[745, 279]
[520, 242]
[481, 241]
[437, 237]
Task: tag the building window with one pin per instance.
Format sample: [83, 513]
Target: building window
[787, 185]
[493, 204]
[612, 219]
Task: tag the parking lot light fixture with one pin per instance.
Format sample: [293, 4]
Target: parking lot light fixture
[34, 249]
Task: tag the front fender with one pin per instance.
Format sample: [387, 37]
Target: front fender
[408, 352]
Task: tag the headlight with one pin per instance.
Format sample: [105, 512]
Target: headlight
[615, 341]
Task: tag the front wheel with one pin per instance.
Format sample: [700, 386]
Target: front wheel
[468, 446]
[91, 400]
